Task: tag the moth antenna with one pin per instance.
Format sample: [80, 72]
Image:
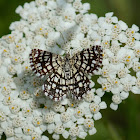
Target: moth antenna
[63, 38]
[65, 42]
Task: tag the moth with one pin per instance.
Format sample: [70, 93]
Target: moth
[66, 76]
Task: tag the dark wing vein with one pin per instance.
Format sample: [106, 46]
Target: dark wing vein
[56, 85]
[43, 62]
[89, 60]
[79, 84]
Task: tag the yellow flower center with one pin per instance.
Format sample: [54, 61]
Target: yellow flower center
[28, 130]
[38, 122]
[12, 107]
[133, 39]
[72, 104]
[4, 88]
[132, 32]
[16, 59]
[9, 98]
[78, 112]
[28, 110]
[104, 88]
[33, 138]
[26, 67]
[45, 107]
[5, 50]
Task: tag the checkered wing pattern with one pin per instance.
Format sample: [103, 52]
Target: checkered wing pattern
[79, 84]
[89, 60]
[43, 62]
[84, 62]
[56, 85]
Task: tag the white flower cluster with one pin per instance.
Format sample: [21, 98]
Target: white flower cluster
[61, 26]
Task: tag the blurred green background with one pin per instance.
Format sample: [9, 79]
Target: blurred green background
[123, 124]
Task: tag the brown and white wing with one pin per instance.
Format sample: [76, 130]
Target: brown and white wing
[89, 60]
[79, 84]
[56, 87]
[43, 62]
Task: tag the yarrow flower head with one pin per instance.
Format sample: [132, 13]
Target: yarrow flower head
[64, 27]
